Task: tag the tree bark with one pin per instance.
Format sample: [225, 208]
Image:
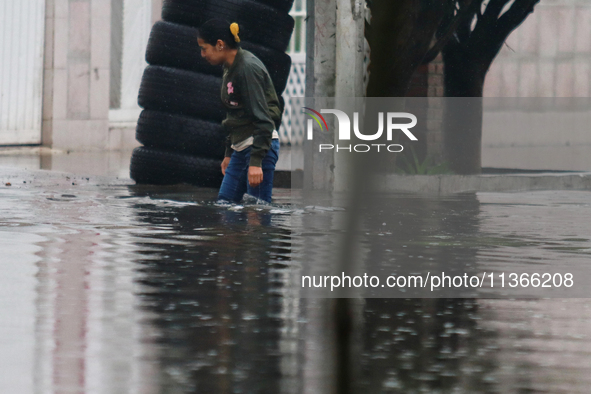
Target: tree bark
[467, 59]
[399, 37]
[462, 119]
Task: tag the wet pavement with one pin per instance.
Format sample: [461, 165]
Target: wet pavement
[108, 287]
[99, 163]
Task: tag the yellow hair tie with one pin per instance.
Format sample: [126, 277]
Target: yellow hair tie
[235, 29]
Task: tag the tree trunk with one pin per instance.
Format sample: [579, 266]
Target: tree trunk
[467, 59]
[399, 37]
[462, 119]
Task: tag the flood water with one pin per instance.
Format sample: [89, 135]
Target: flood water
[127, 289]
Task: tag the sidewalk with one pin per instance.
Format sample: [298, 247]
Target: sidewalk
[105, 166]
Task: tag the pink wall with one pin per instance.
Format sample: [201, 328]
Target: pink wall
[549, 55]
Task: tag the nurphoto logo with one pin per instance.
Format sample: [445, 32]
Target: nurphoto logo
[344, 130]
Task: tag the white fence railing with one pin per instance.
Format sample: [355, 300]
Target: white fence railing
[292, 127]
[290, 133]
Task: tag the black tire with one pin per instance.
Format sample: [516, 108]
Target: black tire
[175, 45]
[181, 92]
[181, 134]
[160, 167]
[281, 5]
[259, 23]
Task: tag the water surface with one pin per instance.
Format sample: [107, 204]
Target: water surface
[125, 289]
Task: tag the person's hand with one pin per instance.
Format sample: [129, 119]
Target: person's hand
[225, 164]
[255, 176]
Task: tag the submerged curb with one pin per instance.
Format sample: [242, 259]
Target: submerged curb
[453, 184]
[420, 184]
[18, 177]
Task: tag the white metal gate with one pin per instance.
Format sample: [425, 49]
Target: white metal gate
[136, 23]
[22, 31]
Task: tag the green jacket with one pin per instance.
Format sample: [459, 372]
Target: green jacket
[252, 105]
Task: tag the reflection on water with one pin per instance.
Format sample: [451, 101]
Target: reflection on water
[214, 280]
[139, 290]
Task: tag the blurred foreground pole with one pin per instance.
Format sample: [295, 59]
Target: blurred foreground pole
[334, 68]
[349, 84]
[320, 82]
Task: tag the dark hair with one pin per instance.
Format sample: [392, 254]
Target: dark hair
[217, 29]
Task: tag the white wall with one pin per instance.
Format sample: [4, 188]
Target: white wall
[549, 55]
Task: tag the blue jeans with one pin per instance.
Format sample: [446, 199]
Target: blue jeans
[235, 182]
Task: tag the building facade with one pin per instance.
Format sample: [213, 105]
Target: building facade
[70, 70]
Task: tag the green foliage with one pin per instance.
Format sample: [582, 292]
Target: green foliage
[415, 167]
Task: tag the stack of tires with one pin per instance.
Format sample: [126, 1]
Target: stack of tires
[180, 125]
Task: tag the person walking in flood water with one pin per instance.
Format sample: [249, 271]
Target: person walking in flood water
[253, 113]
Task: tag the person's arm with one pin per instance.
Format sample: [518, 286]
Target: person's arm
[255, 103]
[228, 145]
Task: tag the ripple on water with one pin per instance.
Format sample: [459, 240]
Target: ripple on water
[190, 294]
